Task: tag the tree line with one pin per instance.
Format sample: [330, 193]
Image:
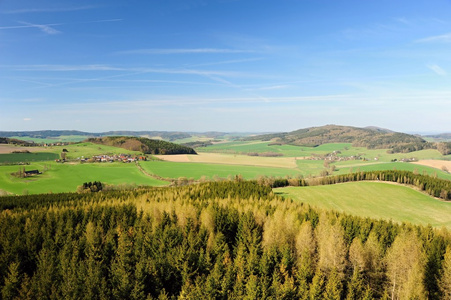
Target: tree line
[216, 240]
[436, 187]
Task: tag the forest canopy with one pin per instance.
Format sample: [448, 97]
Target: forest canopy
[220, 240]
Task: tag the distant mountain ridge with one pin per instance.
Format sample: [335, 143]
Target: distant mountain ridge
[370, 137]
[167, 135]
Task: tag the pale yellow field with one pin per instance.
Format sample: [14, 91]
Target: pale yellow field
[5, 148]
[230, 159]
[435, 163]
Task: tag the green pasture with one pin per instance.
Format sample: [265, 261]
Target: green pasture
[375, 200]
[60, 178]
[346, 150]
[261, 147]
[27, 157]
[167, 169]
[88, 150]
[356, 166]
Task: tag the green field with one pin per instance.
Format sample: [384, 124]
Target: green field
[197, 170]
[27, 157]
[353, 166]
[346, 149]
[88, 150]
[375, 200]
[66, 177]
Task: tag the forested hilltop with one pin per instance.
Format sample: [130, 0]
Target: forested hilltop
[144, 145]
[370, 137]
[4, 140]
[217, 240]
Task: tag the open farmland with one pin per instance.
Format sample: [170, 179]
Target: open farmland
[229, 159]
[438, 164]
[243, 147]
[61, 178]
[27, 157]
[375, 200]
[350, 167]
[89, 149]
[6, 148]
[196, 171]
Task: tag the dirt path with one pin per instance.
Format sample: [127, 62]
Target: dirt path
[148, 174]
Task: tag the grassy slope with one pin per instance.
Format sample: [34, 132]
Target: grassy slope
[348, 167]
[88, 150]
[197, 170]
[66, 177]
[375, 200]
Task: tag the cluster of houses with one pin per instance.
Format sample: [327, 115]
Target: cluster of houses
[126, 158]
[53, 144]
[333, 156]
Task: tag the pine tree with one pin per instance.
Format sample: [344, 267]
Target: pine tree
[445, 280]
[405, 267]
[11, 287]
[333, 287]
[317, 286]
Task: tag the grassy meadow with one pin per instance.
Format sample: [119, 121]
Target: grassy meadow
[27, 157]
[375, 200]
[196, 171]
[59, 178]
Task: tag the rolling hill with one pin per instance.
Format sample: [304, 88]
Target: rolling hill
[144, 145]
[370, 137]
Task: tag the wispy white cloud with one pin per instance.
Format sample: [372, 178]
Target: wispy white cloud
[27, 119]
[46, 28]
[65, 68]
[444, 38]
[29, 25]
[437, 69]
[183, 51]
[224, 62]
[43, 10]
[96, 67]
[269, 88]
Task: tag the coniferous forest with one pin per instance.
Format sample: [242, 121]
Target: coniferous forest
[215, 240]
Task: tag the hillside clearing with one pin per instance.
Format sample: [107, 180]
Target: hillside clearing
[375, 200]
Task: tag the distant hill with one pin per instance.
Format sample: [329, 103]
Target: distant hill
[144, 145]
[4, 140]
[45, 133]
[370, 137]
[166, 135]
[441, 136]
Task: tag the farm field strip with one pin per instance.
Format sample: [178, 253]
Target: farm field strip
[230, 159]
[375, 200]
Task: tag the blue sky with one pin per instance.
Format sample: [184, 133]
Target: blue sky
[225, 65]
